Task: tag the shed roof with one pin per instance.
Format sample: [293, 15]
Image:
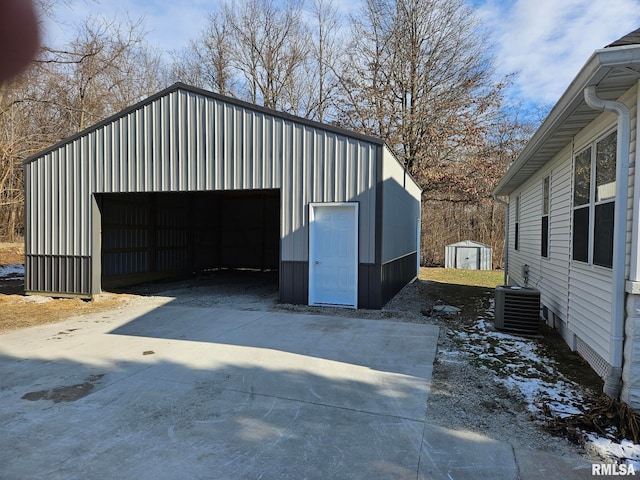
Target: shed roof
[207, 93]
[469, 243]
[613, 70]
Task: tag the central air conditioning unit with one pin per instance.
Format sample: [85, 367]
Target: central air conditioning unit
[518, 310]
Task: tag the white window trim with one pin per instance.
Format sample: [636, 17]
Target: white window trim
[592, 198]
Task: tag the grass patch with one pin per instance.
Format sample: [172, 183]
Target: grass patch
[11, 253]
[472, 278]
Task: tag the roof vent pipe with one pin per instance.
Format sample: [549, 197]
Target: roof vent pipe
[613, 381]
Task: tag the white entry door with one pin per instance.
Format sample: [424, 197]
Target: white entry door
[333, 254]
[468, 258]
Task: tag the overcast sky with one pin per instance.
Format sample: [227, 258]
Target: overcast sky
[545, 42]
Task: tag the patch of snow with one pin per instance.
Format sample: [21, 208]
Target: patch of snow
[520, 366]
[625, 450]
[13, 272]
[446, 309]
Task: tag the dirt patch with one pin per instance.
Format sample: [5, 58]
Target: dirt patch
[18, 311]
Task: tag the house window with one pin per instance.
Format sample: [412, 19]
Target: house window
[544, 245]
[594, 202]
[517, 222]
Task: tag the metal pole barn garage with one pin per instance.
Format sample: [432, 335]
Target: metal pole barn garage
[188, 180]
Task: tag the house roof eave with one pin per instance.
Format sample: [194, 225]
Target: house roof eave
[571, 113]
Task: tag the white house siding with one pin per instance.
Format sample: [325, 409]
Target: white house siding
[631, 364]
[590, 287]
[590, 308]
[578, 295]
[550, 274]
[590, 294]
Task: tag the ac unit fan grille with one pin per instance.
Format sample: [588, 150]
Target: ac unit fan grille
[518, 310]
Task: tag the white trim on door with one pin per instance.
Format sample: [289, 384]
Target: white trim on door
[333, 254]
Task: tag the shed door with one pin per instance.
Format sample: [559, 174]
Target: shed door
[468, 258]
[333, 254]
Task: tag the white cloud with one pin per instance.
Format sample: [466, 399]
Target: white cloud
[546, 42]
[170, 24]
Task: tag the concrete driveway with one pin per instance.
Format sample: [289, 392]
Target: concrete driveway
[160, 392]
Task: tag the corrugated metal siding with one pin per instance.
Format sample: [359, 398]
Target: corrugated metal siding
[345, 171]
[400, 211]
[58, 201]
[125, 237]
[185, 141]
[58, 274]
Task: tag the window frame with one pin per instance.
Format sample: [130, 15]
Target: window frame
[544, 221]
[584, 216]
[517, 225]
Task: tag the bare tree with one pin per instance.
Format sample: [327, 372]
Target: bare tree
[207, 61]
[256, 50]
[105, 69]
[270, 47]
[320, 78]
[419, 74]
[363, 72]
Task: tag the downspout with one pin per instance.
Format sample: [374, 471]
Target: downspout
[613, 381]
[506, 239]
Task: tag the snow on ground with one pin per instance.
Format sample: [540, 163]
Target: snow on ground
[522, 366]
[13, 272]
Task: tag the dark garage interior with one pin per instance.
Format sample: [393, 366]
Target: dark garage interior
[162, 235]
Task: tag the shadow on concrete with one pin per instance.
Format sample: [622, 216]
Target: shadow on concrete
[384, 346]
[206, 393]
[162, 419]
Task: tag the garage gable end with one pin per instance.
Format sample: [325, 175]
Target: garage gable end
[185, 139]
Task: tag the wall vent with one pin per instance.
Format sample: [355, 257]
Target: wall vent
[518, 310]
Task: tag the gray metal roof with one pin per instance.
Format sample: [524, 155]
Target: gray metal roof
[613, 71]
[206, 93]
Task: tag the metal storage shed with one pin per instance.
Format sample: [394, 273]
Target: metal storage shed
[468, 255]
[188, 180]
